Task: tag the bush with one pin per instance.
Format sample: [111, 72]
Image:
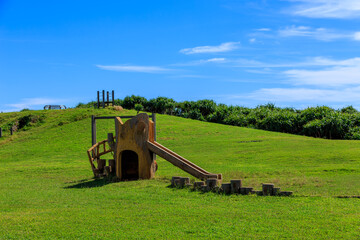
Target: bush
[320, 121]
[334, 126]
[161, 105]
[130, 101]
[283, 121]
[138, 107]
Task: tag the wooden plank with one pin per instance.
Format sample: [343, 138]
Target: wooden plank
[181, 158]
[186, 166]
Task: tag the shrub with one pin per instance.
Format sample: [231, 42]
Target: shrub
[130, 101]
[138, 107]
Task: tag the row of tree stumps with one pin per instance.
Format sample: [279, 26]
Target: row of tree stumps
[234, 187]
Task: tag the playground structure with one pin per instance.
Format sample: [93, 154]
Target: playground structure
[134, 149]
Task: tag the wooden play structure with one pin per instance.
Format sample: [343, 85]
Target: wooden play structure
[134, 149]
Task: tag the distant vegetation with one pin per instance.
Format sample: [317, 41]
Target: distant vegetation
[320, 122]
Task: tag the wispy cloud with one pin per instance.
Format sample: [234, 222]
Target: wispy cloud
[322, 34]
[224, 47]
[330, 77]
[202, 62]
[129, 68]
[327, 8]
[305, 96]
[263, 29]
[34, 103]
[347, 95]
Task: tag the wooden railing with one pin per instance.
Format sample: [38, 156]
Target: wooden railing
[97, 150]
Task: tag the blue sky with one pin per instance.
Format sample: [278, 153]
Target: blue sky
[294, 53]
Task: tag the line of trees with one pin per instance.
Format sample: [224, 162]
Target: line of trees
[320, 122]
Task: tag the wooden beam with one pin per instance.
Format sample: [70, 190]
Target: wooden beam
[180, 162]
[93, 130]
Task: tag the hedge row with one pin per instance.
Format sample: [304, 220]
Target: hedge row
[321, 121]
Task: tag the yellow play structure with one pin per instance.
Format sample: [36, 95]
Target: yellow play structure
[134, 149]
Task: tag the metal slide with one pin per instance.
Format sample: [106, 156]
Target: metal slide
[181, 162]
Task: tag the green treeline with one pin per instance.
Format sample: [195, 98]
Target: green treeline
[321, 121]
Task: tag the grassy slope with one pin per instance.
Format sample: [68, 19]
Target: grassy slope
[47, 190]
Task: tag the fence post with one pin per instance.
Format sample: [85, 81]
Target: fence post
[0, 132]
[98, 99]
[107, 98]
[11, 130]
[93, 130]
[103, 103]
[113, 97]
[153, 117]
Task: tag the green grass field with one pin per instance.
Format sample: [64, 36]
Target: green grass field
[47, 189]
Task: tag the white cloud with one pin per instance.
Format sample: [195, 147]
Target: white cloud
[215, 60]
[341, 73]
[327, 8]
[357, 36]
[224, 47]
[34, 103]
[127, 68]
[332, 77]
[202, 61]
[303, 96]
[263, 29]
[322, 34]
[252, 40]
[347, 95]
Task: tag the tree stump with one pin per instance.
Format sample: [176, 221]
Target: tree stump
[276, 191]
[286, 193]
[173, 181]
[107, 171]
[177, 183]
[198, 185]
[205, 188]
[112, 165]
[226, 188]
[184, 181]
[235, 185]
[211, 183]
[267, 189]
[101, 165]
[245, 190]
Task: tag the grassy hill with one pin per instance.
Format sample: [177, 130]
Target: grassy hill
[47, 189]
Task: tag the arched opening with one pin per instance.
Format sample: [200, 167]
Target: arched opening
[129, 165]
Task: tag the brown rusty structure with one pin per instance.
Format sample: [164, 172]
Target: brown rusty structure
[134, 149]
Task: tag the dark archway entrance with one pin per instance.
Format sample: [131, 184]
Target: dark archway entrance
[129, 165]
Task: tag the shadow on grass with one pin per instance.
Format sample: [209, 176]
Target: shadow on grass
[93, 183]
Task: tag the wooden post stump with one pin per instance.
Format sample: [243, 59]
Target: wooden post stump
[198, 185]
[286, 193]
[276, 191]
[211, 183]
[173, 181]
[204, 188]
[235, 185]
[184, 181]
[107, 171]
[226, 188]
[101, 165]
[267, 189]
[245, 190]
[177, 183]
[0, 132]
[112, 165]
